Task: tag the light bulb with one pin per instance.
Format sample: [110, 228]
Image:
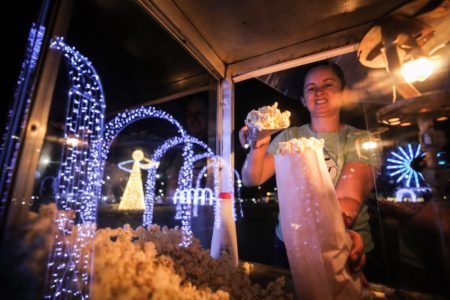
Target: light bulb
[417, 70]
[369, 145]
[72, 141]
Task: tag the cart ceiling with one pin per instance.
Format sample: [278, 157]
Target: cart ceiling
[255, 37]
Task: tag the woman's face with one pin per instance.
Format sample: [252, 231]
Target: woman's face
[322, 92]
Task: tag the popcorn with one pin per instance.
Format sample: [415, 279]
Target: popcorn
[145, 263]
[24, 254]
[268, 117]
[299, 145]
[149, 263]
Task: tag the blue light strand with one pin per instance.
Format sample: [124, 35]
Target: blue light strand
[18, 112]
[216, 165]
[183, 210]
[399, 166]
[151, 177]
[79, 184]
[123, 119]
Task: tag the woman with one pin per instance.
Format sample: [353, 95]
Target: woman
[352, 174]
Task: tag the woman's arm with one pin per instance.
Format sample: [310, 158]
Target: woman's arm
[259, 165]
[355, 183]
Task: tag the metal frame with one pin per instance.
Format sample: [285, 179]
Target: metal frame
[36, 128]
[171, 18]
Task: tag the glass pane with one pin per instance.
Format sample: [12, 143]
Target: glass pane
[128, 127]
[406, 236]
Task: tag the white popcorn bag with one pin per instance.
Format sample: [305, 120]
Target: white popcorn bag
[314, 233]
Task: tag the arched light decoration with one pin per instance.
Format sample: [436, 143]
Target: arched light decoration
[194, 197]
[399, 166]
[82, 166]
[79, 181]
[412, 194]
[217, 163]
[183, 211]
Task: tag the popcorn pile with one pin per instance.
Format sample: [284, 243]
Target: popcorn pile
[145, 263]
[150, 264]
[299, 145]
[268, 117]
[24, 254]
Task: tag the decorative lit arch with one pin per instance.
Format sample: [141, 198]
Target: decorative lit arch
[79, 181]
[184, 182]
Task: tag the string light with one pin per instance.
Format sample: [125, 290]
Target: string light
[195, 197]
[79, 184]
[83, 161]
[216, 166]
[133, 196]
[399, 164]
[410, 194]
[124, 119]
[18, 112]
[183, 211]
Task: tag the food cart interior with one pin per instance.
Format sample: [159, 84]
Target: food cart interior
[142, 73]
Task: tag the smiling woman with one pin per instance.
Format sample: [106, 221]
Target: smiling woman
[352, 175]
[322, 96]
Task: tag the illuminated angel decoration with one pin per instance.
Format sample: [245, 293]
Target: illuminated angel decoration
[133, 196]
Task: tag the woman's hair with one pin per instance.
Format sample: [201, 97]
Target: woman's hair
[336, 69]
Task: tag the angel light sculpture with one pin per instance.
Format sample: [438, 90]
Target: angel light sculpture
[133, 196]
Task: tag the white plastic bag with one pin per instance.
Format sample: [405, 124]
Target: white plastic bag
[313, 230]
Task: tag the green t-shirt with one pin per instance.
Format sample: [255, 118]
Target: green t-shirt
[339, 148]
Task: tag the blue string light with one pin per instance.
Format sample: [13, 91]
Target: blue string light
[86, 150]
[79, 181]
[399, 165]
[18, 112]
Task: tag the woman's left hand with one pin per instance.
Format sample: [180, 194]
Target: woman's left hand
[357, 257]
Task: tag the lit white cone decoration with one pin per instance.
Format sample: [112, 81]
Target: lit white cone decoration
[224, 233]
[313, 229]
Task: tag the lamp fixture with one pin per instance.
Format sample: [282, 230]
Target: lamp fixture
[417, 70]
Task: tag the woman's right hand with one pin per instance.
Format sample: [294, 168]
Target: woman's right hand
[243, 136]
[243, 139]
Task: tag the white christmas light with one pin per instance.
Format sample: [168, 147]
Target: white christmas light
[83, 163]
[399, 165]
[133, 196]
[79, 181]
[18, 112]
[412, 194]
[183, 211]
